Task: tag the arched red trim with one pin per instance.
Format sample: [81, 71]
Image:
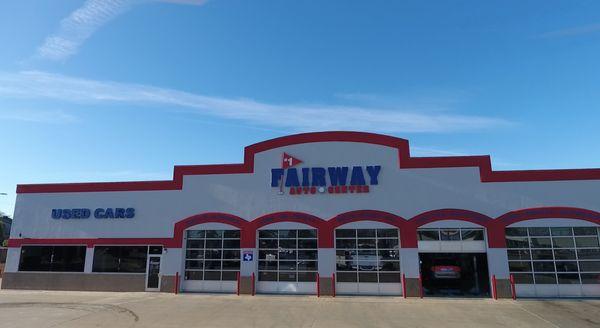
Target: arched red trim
[297, 217]
[406, 161]
[211, 217]
[372, 215]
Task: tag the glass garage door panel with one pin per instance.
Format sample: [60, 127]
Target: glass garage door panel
[554, 256]
[368, 261]
[287, 256]
[212, 259]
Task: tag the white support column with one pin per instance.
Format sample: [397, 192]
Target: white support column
[172, 261]
[409, 262]
[12, 259]
[89, 260]
[498, 263]
[327, 262]
[249, 267]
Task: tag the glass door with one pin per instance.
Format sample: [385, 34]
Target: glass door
[153, 274]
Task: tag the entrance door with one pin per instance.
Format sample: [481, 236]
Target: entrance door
[153, 274]
[455, 274]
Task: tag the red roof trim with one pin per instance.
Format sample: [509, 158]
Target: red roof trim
[406, 162]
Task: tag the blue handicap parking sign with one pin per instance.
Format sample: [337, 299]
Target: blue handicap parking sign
[248, 256]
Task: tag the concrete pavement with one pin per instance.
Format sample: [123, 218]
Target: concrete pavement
[97, 309]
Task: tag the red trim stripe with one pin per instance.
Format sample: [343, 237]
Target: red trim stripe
[406, 162]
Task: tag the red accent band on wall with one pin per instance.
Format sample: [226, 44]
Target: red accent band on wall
[405, 162]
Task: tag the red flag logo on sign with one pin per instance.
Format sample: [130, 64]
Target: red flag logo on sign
[289, 161]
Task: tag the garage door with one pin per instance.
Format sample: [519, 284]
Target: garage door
[287, 261]
[368, 261]
[212, 261]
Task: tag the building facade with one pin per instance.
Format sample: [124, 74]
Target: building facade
[328, 212]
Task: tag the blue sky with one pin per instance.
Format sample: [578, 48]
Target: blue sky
[114, 90]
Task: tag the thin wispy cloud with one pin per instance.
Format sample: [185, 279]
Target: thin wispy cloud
[82, 23]
[294, 117]
[572, 31]
[37, 116]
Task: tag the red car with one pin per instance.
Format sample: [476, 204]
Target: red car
[446, 271]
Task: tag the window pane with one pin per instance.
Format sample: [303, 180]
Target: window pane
[233, 243]
[545, 278]
[268, 254]
[385, 277]
[345, 260]
[365, 233]
[287, 276]
[367, 277]
[568, 278]
[229, 275]
[214, 243]
[194, 264]
[387, 233]
[586, 241]
[566, 266]
[519, 254]
[428, 235]
[517, 242]
[307, 243]
[287, 265]
[288, 233]
[190, 254]
[520, 266]
[387, 243]
[218, 234]
[539, 231]
[212, 265]
[366, 243]
[588, 254]
[268, 234]
[212, 275]
[133, 259]
[450, 234]
[563, 242]
[231, 234]
[523, 278]
[307, 233]
[469, 235]
[287, 254]
[195, 234]
[590, 278]
[307, 255]
[287, 243]
[541, 254]
[561, 231]
[345, 233]
[345, 243]
[564, 254]
[231, 265]
[589, 266]
[155, 250]
[346, 277]
[193, 275]
[212, 254]
[191, 243]
[267, 276]
[516, 232]
[389, 266]
[267, 265]
[267, 243]
[307, 276]
[231, 254]
[35, 258]
[106, 259]
[68, 258]
[307, 265]
[541, 243]
[543, 266]
[585, 231]
[388, 255]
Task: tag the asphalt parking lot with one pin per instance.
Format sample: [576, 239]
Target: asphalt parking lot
[98, 309]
